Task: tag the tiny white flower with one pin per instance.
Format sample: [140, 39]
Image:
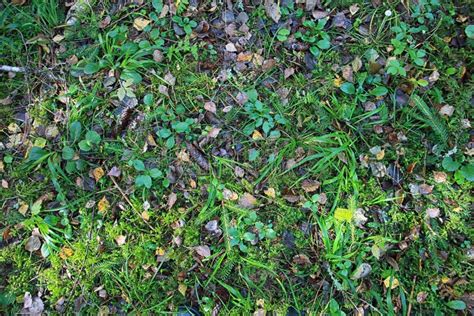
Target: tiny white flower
[388, 13]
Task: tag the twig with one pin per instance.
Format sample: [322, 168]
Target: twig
[12, 68]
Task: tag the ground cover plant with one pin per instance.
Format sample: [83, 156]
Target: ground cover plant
[236, 157]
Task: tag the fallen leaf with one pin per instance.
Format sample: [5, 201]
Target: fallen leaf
[310, 185]
[203, 251]
[353, 9]
[172, 198]
[140, 23]
[247, 200]
[33, 244]
[5, 184]
[98, 173]
[65, 253]
[214, 132]
[23, 208]
[158, 56]
[114, 172]
[58, 38]
[120, 240]
[446, 110]
[256, 135]
[301, 259]
[433, 212]
[163, 90]
[229, 195]
[439, 176]
[182, 289]
[391, 282]
[230, 47]
[362, 271]
[289, 72]
[145, 215]
[244, 57]
[273, 10]
[170, 79]
[103, 205]
[425, 189]
[270, 192]
[210, 106]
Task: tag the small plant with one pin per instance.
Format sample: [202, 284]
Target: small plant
[360, 92]
[251, 230]
[91, 141]
[261, 117]
[146, 176]
[315, 36]
[394, 67]
[282, 34]
[186, 23]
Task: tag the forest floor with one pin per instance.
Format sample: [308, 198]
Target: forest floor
[236, 157]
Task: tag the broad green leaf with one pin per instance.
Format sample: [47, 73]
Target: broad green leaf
[148, 99]
[470, 31]
[143, 181]
[457, 305]
[93, 137]
[68, 153]
[348, 88]
[138, 165]
[379, 91]
[75, 130]
[450, 165]
[468, 172]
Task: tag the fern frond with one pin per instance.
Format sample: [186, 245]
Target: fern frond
[431, 119]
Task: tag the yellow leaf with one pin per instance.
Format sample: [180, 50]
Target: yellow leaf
[182, 289]
[145, 215]
[380, 155]
[2, 166]
[98, 173]
[391, 282]
[65, 253]
[140, 23]
[160, 251]
[270, 192]
[103, 205]
[343, 214]
[23, 208]
[337, 82]
[257, 135]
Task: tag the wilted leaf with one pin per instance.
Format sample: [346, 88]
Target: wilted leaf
[270, 192]
[391, 282]
[432, 212]
[98, 173]
[210, 106]
[301, 259]
[120, 240]
[362, 271]
[140, 23]
[65, 253]
[203, 251]
[247, 200]
[33, 244]
[114, 172]
[103, 205]
[172, 198]
[273, 10]
[310, 185]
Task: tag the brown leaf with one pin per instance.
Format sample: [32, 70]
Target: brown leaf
[158, 56]
[214, 132]
[273, 10]
[230, 47]
[310, 185]
[98, 173]
[270, 192]
[433, 212]
[289, 72]
[198, 156]
[172, 198]
[210, 106]
[425, 189]
[170, 79]
[203, 251]
[247, 200]
[103, 205]
[301, 259]
[33, 244]
[439, 176]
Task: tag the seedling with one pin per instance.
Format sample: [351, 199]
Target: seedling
[315, 36]
[147, 175]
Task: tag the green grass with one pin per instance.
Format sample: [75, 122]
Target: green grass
[307, 151]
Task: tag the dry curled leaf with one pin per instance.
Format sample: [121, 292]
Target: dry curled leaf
[120, 240]
[33, 244]
[140, 23]
[247, 200]
[210, 106]
[103, 205]
[98, 173]
[203, 251]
